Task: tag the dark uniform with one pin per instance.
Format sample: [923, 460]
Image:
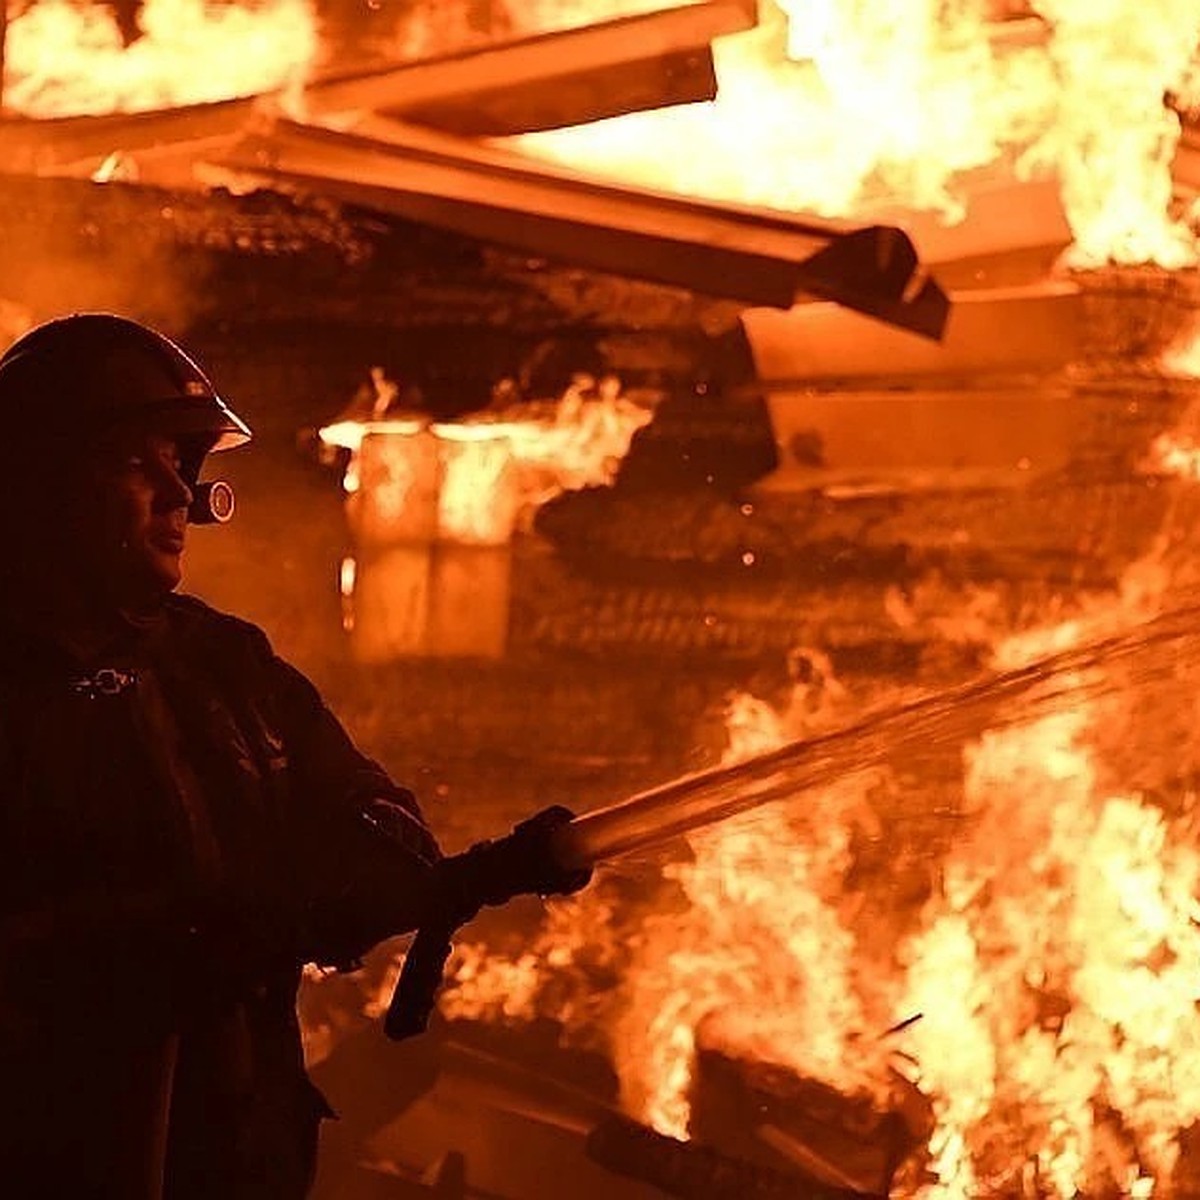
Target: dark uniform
[184, 824]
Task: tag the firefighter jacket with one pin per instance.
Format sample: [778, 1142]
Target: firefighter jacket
[183, 825]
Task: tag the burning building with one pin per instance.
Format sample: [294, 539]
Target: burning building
[818, 375]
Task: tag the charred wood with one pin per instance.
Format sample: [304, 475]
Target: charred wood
[325, 291]
[697, 1172]
[848, 1133]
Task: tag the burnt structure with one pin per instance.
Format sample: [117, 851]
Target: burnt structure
[749, 519]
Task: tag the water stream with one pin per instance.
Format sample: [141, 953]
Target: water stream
[1149, 653]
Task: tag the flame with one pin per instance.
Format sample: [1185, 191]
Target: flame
[759, 889]
[837, 107]
[1056, 965]
[1172, 454]
[64, 59]
[479, 497]
[432, 29]
[495, 467]
[777, 132]
[1182, 357]
[829, 106]
[1112, 136]
[1067, 933]
[757, 893]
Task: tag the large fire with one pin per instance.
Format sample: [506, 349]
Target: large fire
[1055, 962]
[828, 106]
[838, 107]
[62, 58]
[1055, 965]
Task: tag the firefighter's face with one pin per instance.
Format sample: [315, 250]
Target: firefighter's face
[138, 529]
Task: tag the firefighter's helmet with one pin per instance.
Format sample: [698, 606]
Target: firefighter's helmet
[81, 375]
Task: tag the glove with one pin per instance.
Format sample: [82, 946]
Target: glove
[521, 864]
[489, 873]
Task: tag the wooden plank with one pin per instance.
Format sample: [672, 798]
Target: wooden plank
[1036, 328]
[553, 79]
[857, 444]
[741, 254]
[844, 1132]
[30, 146]
[697, 1171]
[1005, 219]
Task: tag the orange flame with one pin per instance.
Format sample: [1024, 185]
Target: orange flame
[841, 106]
[760, 889]
[494, 468]
[1059, 972]
[1057, 967]
[1182, 357]
[64, 59]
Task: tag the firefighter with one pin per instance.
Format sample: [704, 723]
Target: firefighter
[183, 822]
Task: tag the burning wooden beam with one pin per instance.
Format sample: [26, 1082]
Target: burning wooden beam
[497, 196]
[1035, 329]
[554, 79]
[846, 1134]
[30, 146]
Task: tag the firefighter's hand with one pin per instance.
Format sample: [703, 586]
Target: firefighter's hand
[523, 863]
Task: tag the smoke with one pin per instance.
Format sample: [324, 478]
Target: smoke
[76, 246]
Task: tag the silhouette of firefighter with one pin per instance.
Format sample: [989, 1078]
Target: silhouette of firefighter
[183, 822]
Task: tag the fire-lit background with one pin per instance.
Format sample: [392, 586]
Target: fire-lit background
[546, 526]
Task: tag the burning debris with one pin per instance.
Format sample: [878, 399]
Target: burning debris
[552, 446]
[566, 77]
